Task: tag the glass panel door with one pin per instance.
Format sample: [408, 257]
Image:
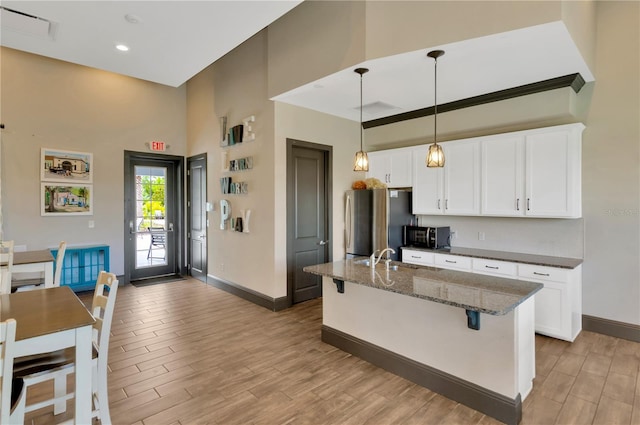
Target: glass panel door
[151, 212]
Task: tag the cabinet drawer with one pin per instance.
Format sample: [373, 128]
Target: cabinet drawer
[421, 258]
[552, 274]
[453, 262]
[499, 268]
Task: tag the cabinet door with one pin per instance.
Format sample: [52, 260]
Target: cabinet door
[553, 303]
[503, 177]
[462, 177]
[378, 166]
[427, 185]
[553, 183]
[400, 168]
[552, 315]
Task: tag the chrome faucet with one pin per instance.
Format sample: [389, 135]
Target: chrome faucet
[373, 261]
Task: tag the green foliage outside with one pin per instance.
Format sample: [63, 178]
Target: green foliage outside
[153, 199]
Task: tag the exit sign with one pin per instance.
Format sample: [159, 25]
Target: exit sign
[157, 146]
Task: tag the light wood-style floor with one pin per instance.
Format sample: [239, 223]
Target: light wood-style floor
[188, 353]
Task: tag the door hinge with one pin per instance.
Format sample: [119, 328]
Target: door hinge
[189, 204]
[188, 234]
[188, 172]
[188, 266]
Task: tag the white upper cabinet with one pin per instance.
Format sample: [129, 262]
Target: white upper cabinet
[392, 167]
[503, 176]
[453, 189]
[533, 173]
[553, 180]
[462, 177]
[428, 185]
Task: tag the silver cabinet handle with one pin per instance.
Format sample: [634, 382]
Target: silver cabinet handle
[438, 203]
[541, 274]
[446, 204]
[414, 256]
[449, 261]
[528, 204]
[518, 204]
[492, 267]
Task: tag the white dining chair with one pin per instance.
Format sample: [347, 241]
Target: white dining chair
[12, 391]
[37, 282]
[6, 266]
[57, 365]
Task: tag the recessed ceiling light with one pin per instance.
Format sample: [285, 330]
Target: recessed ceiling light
[122, 47]
[132, 19]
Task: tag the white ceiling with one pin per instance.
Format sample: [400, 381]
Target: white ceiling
[174, 40]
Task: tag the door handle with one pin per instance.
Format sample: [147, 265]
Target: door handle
[323, 242]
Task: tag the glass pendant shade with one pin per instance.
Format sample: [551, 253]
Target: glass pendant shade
[361, 162]
[435, 157]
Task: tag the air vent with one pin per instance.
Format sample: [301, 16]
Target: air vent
[376, 108]
[25, 24]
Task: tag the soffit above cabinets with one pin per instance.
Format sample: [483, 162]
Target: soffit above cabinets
[170, 41]
[475, 67]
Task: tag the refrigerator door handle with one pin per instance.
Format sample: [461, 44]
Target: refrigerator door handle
[347, 218]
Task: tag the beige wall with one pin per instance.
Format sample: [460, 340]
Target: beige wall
[55, 104]
[236, 87]
[611, 169]
[402, 26]
[315, 39]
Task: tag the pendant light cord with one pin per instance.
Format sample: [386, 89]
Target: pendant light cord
[435, 101]
[361, 112]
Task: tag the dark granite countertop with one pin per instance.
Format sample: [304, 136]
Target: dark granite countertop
[514, 257]
[486, 294]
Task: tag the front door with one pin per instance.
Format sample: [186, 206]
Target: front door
[308, 218]
[197, 216]
[152, 215]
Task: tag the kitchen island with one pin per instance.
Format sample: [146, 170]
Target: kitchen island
[469, 337]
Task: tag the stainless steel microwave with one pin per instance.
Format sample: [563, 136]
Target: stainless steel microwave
[427, 237]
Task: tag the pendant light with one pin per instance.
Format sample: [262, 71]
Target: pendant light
[435, 157]
[361, 161]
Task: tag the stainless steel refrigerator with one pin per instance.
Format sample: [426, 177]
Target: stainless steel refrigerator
[374, 220]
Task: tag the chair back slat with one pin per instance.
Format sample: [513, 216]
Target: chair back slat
[102, 306]
[62, 248]
[7, 340]
[6, 266]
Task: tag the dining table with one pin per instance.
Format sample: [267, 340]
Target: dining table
[39, 261]
[52, 319]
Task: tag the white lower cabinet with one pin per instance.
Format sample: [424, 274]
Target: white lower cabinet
[558, 305]
[495, 267]
[420, 258]
[454, 262]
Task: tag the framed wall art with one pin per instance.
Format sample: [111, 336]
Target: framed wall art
[66, 166]
[67, 200]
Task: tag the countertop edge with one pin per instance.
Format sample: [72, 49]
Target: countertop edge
[535, 287]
